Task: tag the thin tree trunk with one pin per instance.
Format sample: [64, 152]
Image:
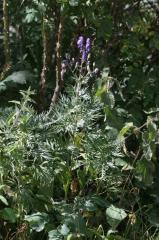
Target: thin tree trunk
[59, 79]
[47, 60]
[6, 41]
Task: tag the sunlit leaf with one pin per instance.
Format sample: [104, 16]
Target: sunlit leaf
[115, 216]
[37, 221]
[3, 200]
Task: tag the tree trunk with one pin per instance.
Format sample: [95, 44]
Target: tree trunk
[59, 79]
[46, 60]
[6, 40]
[47, 54]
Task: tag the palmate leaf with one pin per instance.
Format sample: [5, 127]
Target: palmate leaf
[101, 151]
[30, 15]
[72, 115]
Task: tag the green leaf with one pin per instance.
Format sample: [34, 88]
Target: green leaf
[90, 206]
[62, 1]
[148, 145]
[37, 221]
[153, 217]
[3, 200]
[100, 202]
[54, 235]
[152, 110]
[125, 130]
[115, 216]
[3, 87]
[16, 79]
[148, 153]
[101, 92]
[73, 3]
[64, 230]
[120, 162]
[2, 187]
[76, 223]
[152, 130]
[8, 214]
[105, 73]
[145, 172]
[109, 99]
[30, 15]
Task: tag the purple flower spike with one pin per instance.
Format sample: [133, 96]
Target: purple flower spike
[88, 45]
[84, 55]
[80, 43]
[85, 47]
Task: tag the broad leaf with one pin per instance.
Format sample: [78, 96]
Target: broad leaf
[64, 230]
[115, 216]
[37, 221]
[54, 235]
[8, 214]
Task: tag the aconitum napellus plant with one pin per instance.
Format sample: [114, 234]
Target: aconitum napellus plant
[84, 48]
[80, 43]
[83, 66]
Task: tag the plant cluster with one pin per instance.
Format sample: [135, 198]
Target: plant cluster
[68, 173]
[79, 145]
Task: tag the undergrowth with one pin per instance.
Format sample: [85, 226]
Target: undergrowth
[68, 173]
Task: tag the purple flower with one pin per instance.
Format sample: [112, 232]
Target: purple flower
[88, 45]
[80, 43]
[85, 48]
[84, 55]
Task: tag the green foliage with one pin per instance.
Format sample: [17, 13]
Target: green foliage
[65, 154]
[87, 167]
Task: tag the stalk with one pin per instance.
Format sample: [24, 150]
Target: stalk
[59, 79]
[45, 36]
[47, 57]
[6, 40]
